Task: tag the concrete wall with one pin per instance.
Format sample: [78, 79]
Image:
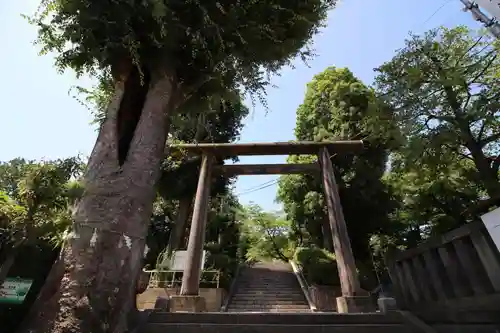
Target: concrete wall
[214, 297]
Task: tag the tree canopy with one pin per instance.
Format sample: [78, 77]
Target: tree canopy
[195, 41]
[443, 87]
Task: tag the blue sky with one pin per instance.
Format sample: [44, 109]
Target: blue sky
[41, 119]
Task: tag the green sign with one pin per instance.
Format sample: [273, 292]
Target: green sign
[14, 290]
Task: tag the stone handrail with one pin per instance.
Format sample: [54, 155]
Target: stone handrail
[303, 284]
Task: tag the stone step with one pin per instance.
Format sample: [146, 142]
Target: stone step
[316, 318]
[268, 283]
[277, 328]
[289, 297]
[268, 310]
[267, 306]
[268, 287]
[461, 328]
[278, 292]
[255, 280]
[264, 292]
[266, 302]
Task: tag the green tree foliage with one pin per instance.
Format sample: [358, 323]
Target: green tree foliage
[266, 234]
[36, 199]
[339, 106]
[223, 237]
[179, 177]
[444, 88]
[318, 265]
[197, 41]
[37, 196]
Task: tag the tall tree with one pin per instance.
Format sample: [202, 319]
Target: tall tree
[160, 54]
[433, 200]
[444, 88]
[337, 105]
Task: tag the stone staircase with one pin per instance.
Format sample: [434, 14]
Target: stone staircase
[268, 299]
[268, 287]
[221, 322]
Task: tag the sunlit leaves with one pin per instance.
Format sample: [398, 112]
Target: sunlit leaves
[38, 196]
[444, 88]
[267, 234]
[198, 41]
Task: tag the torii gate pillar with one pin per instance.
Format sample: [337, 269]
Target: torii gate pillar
[189, 299]
[352, 299]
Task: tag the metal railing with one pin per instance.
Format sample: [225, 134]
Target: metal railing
[232, 288]
[163, 278]
[297, 269]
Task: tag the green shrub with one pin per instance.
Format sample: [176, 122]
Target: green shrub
[318, 265]
[218, 259]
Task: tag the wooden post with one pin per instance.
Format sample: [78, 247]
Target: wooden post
[192, 272]
[349, 281]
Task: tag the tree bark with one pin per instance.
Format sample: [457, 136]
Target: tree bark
[179, 229]
[487, 174]
[104, 250]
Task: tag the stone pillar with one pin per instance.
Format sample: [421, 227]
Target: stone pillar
[353, 299]
[189, 295]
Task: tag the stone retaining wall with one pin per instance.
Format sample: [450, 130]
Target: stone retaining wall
[214, 297]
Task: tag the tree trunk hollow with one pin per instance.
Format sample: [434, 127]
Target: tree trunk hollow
[129, 113]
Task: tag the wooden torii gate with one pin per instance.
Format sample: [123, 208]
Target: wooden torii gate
[353, 299]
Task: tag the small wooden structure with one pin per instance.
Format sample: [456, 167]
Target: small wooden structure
[454, 277]
[324, 150]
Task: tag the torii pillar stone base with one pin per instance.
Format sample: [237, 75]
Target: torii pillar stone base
[187, 303]
[355, 304]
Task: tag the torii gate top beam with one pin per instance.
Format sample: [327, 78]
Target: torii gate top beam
[272, 148]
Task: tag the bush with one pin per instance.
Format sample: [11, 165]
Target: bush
[318, 265]
[218, 259]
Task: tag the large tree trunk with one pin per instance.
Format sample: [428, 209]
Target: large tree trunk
[179, 229]
[104, 251]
